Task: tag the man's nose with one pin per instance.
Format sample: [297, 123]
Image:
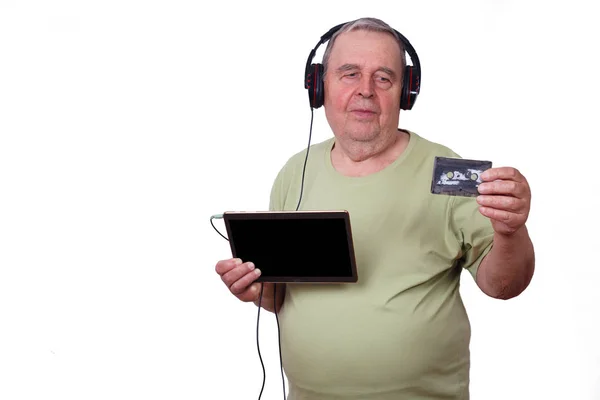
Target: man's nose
[365, 88]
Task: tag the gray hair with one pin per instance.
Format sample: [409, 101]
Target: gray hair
[367, 24]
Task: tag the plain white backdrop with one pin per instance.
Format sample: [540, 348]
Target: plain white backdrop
[124, 125]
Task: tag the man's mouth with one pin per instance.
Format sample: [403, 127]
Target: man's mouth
[363, 112]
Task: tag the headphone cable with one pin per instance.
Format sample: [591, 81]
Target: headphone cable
[258, 344]
[306, 158]
[278, 337]
[274, 284]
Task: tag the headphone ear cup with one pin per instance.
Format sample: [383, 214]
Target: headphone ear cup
[314, 84]
[410, 88]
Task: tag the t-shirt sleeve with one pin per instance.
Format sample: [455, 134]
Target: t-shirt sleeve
[474, 232]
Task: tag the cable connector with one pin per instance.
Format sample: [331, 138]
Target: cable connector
[217, 216]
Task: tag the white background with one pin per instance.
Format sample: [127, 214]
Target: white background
[125, 124]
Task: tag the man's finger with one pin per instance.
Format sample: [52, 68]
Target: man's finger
[511, 188]
[237, 273]
[240, 285]
[251, 294]
[510, 219]
[505, 173]
[224, 266]
[506, 203]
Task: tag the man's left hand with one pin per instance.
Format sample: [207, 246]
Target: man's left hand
[505, 198]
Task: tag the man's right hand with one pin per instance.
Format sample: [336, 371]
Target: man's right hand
[240, 277]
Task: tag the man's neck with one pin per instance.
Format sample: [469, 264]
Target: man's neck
[353, 158]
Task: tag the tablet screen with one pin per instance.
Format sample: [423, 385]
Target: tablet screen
[294, 246]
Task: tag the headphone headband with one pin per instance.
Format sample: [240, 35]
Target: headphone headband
[313, 79]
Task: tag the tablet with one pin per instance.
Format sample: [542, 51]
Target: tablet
[294, 246]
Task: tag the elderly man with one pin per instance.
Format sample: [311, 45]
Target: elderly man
[402, 331]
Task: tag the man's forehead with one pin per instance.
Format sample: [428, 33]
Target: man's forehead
[366, 45]
[362, 35]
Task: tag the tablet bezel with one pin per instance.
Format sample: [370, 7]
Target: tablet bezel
[297, 215]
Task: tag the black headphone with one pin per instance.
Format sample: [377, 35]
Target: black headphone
[313, 75]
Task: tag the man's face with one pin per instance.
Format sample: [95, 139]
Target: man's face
[363, 85]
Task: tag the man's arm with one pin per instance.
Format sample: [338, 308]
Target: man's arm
[506, 271]
[508, 268]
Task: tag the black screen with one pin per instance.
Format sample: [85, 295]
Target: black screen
[294, 249]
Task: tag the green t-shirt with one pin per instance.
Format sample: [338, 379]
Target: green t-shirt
[402, 331]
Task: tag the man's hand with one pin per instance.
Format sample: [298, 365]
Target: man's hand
[505, 198]
[240, 278]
